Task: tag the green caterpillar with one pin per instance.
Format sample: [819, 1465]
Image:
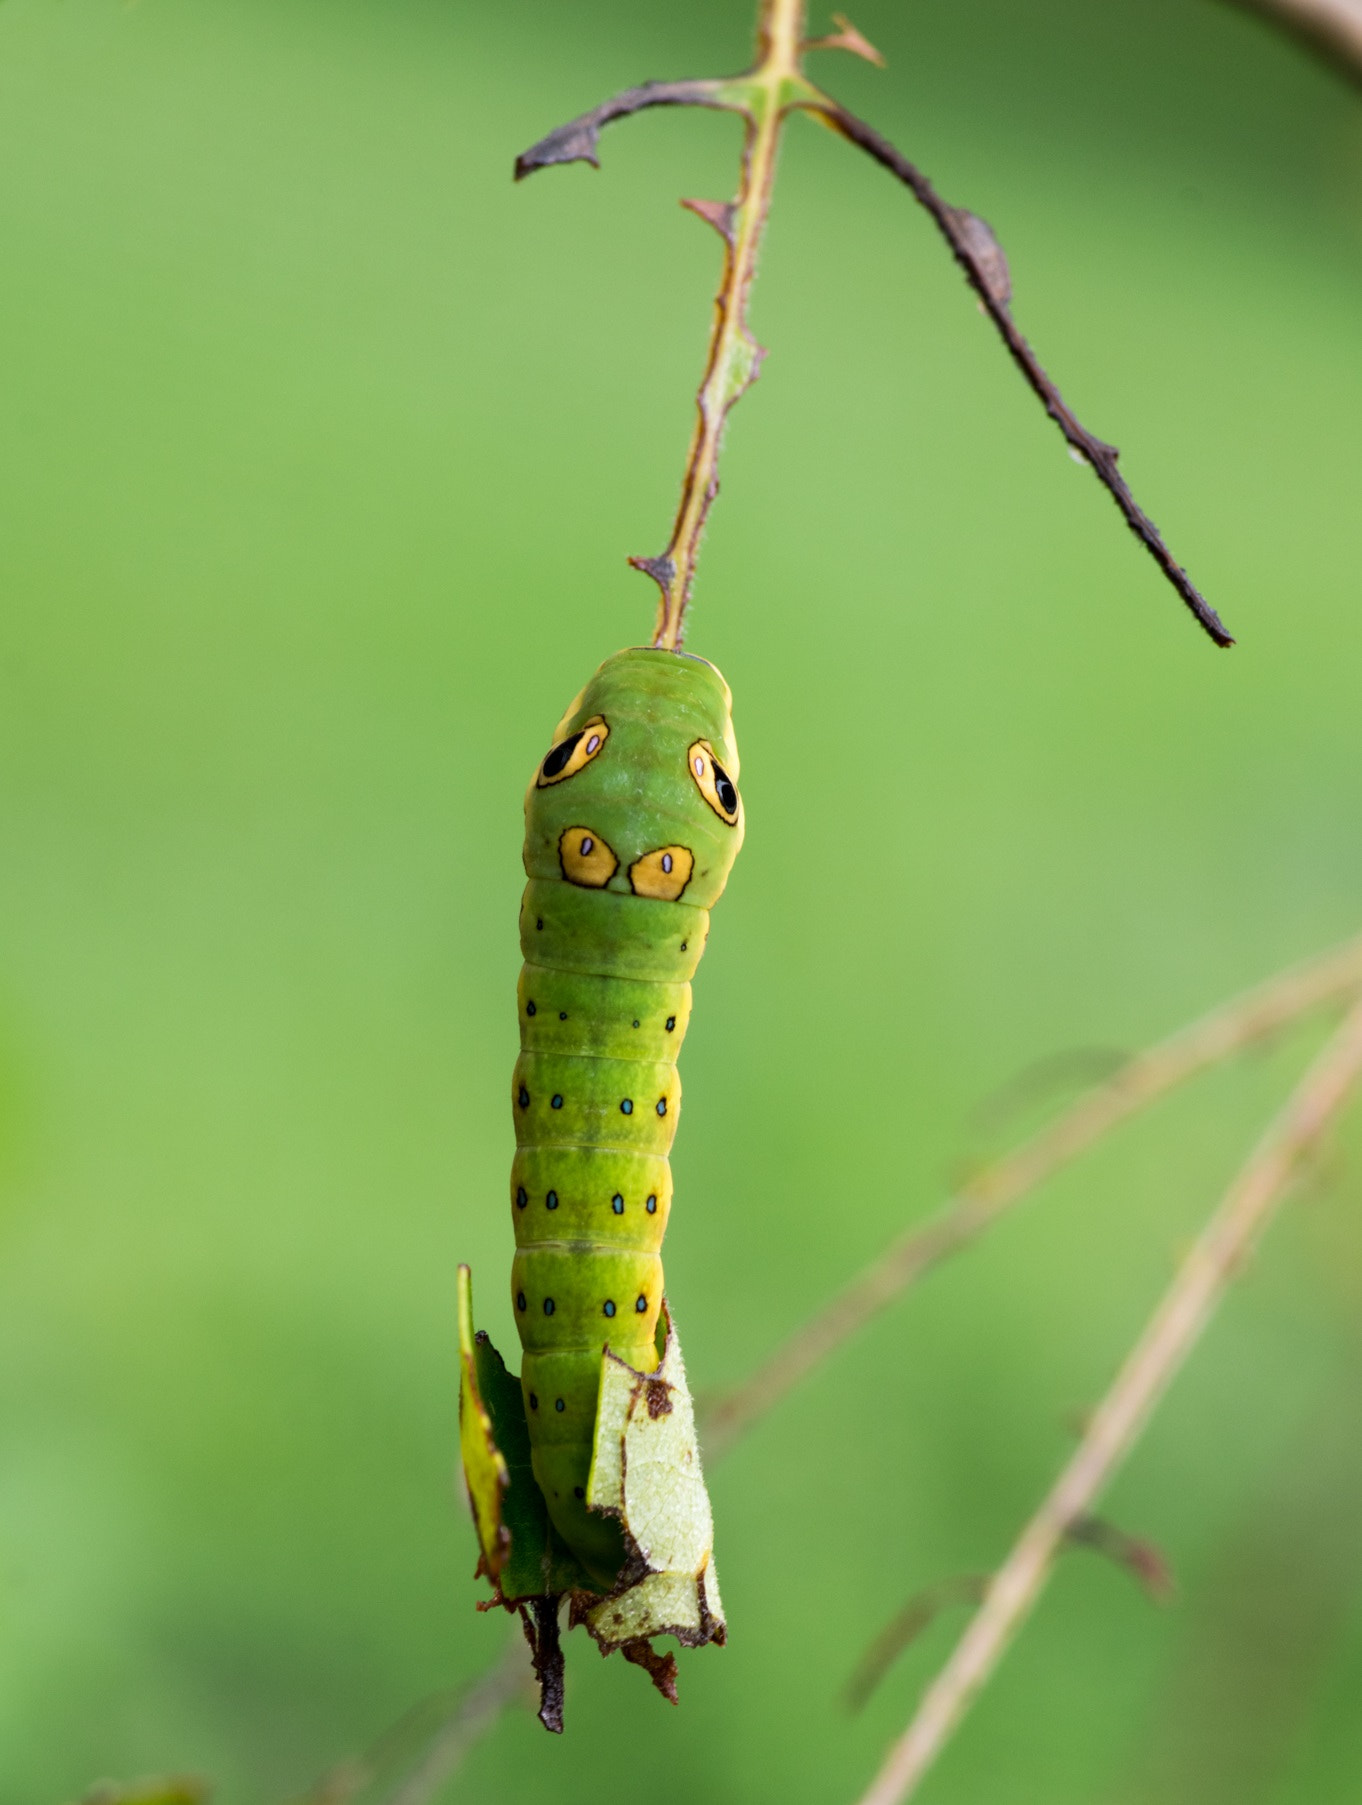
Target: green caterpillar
[632, 824]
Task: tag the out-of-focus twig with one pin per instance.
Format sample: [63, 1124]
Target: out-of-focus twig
[1332, 28]
[1172, 1332]
[1140, 1081]
[478, 1711]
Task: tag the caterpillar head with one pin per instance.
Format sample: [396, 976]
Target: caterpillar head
[638, 792]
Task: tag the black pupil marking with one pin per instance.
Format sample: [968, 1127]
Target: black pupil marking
[577, 1492]
[586, 845]
[521, 1197]
[723, 789]
[556, 759]
[641, 1303]
[540, 922]
[627, 1107]
[557, 1102]
[559, 1404]
[666, 861]
[548, 1306]
[652, 1206]
[636, 1024]
[684, 945]
[551, 1201]
[520, 1300]
[662, 1106]
[534, 1401]
[671, 1023]
[524, 1098]
[617, 1204]
[529, 1009]
[562, 1015]
[610, 1306]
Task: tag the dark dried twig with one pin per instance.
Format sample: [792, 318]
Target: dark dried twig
[981, 257]
[765, 96]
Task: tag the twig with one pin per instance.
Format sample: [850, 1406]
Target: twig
[765, 96]
[979, 1203]
[981, 257]
[479, 1709]
[1172, 1332]
[1332, 28]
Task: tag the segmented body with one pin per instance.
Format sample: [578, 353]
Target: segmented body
[632, 825]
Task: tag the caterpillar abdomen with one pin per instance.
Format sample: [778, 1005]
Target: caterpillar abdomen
[632, 824]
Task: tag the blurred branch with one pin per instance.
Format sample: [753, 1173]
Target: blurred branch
[1172, 1332]
[1331, 28]
[458, 1728]
[992, 1191]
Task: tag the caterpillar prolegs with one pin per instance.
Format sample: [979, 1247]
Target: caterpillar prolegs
[632, 823]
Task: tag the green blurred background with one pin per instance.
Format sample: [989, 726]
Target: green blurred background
[322, 450]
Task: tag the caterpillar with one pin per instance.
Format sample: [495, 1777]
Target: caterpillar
[632, 823]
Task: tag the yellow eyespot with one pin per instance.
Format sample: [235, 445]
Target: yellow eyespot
[713, 782]
[569, 756]
[663, 874]
[585, 858]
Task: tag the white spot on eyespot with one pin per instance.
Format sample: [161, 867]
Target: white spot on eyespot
[666, 861]
[593, 744]
[586, 846]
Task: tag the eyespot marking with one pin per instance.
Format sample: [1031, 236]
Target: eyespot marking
[651, 1206]
[522, 1197]
[574, 753]
[617, 1204]
[524, 1098]
[662, 1106]
[557, 1101]
[714, 783]
[549, 1306]
[640, 1303]
[627, 1107]
[671, 1023]
[609, 1306]
[530, 1009]
[585, 858]
[663, 874]
[551, 1201]
[520, 1300]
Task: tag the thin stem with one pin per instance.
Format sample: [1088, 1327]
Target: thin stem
[991, 1192]
[734, 356]
[1171, 1334]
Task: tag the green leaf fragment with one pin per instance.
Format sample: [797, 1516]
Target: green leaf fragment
[646, 1471]
[522, 1553]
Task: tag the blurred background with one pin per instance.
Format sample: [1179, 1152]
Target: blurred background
[322, 448]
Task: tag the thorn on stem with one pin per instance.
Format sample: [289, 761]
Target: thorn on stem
[846, 37]
[1142, 1559]
[722, 215]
